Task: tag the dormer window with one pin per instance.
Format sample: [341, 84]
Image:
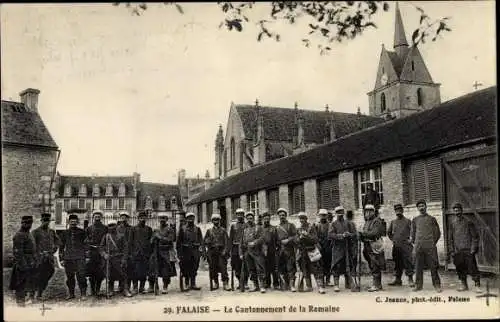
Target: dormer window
[96, 191]
[149, 202]
[122, 190]
[67, 190]
[161, 203]
[109, 190]
[83, 191]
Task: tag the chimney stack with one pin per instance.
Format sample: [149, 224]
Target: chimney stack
[29, 97]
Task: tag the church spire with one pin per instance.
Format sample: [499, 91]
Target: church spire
[400, 43]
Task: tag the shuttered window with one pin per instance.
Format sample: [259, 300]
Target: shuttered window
[423, 180]
[273, 201]
[328, 192]
[296, 198]
[210, 208]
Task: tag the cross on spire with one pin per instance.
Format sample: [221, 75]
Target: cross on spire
[476, 85]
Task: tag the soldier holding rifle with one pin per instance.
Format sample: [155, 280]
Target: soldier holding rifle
[46, 242]
[216, 241]
[190, 249]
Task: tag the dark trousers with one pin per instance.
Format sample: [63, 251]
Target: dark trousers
[75, 267]
[255, 267]
[271, 269]
[21, 282]
[190, 263]
[45, 271]
[287, 264]
[129, 275]
[217, 264]
[326, 256]
[376, 262]
[402, 261]
[309, 268]
[466, 264]
[426, 258]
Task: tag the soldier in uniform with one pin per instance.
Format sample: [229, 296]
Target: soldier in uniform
[140, 252]
[72, 257]
[343, 233]
[95, 264]
[190, 249]
[371, 197]
[354, 255]
[270, 252]
[47, 242]
[307, 241]
[216, 242]
[399, 233]
[424, 236]
[24, 260]
[463, 241]
[114, 249]
[325, 243]
[235, 233]
[373, 248]
[250, 251]
[286, 250]
[163, 255]
[124, 229]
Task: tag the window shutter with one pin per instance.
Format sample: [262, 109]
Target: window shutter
[273, 200]
[328, 192]
[419, 180]
[434, 178]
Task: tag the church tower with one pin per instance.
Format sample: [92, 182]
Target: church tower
[403, 85]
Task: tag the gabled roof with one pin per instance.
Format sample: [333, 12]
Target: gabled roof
[24, 127]
[396, 62]
[102, 181]
[280, 125]
[155, 190]
[471, 117]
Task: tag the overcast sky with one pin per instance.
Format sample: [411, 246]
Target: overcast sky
[121, 93]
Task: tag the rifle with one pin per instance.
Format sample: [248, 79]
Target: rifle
[359, 264]
[107, 265]
[242, 275]
[157, 271]
[232, 277]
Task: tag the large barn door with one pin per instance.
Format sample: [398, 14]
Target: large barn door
[471, 179]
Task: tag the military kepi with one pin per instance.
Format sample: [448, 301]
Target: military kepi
[73, 216]
[45, 216]
[26, 219]
[421, 202]
[398, 206]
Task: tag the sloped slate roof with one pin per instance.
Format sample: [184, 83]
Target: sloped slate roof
[155, 190]
[21, 126]
[466, 118]
[396, 62]
[279, 123]
[89, 182]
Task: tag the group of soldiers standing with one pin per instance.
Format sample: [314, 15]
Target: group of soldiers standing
[268, 255]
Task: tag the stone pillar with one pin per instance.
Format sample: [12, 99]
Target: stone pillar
[346, 190]
[229, 212]
[204, 213]
[215, 207]
[262, 201]
[310, 198]
[283, 196]
[244, 202]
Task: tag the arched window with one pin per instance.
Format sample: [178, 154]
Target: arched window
[121, 190]
[233, 153]
[419, 97]
[382, 102]
[67, 190]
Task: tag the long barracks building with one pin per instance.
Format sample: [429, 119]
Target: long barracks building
[412, 147]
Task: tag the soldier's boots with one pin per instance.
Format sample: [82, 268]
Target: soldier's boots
[397, 282]
[347, 281]
[142, 284]
[438, 288]
[328, 280]
[322, 286]
[411, 283]
[377, 285]
[255, 287]
[308, 285]
[225, 285]
[71, 295]
[463, 286]
[193, 286]
[127, 293]
[262, 285]
[336, 287]
[216, 284]
[30, 298]
[292, 285]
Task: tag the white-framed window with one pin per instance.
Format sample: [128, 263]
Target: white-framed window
[122, 190]
[149, 202]
[161, 203]
[81, 203]
[109, 190]
[67, 190]
[373, 176]
[121, 203]
[66, 204]
[253, 203]
[108, 204]
[96, 191]
[83, 190]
